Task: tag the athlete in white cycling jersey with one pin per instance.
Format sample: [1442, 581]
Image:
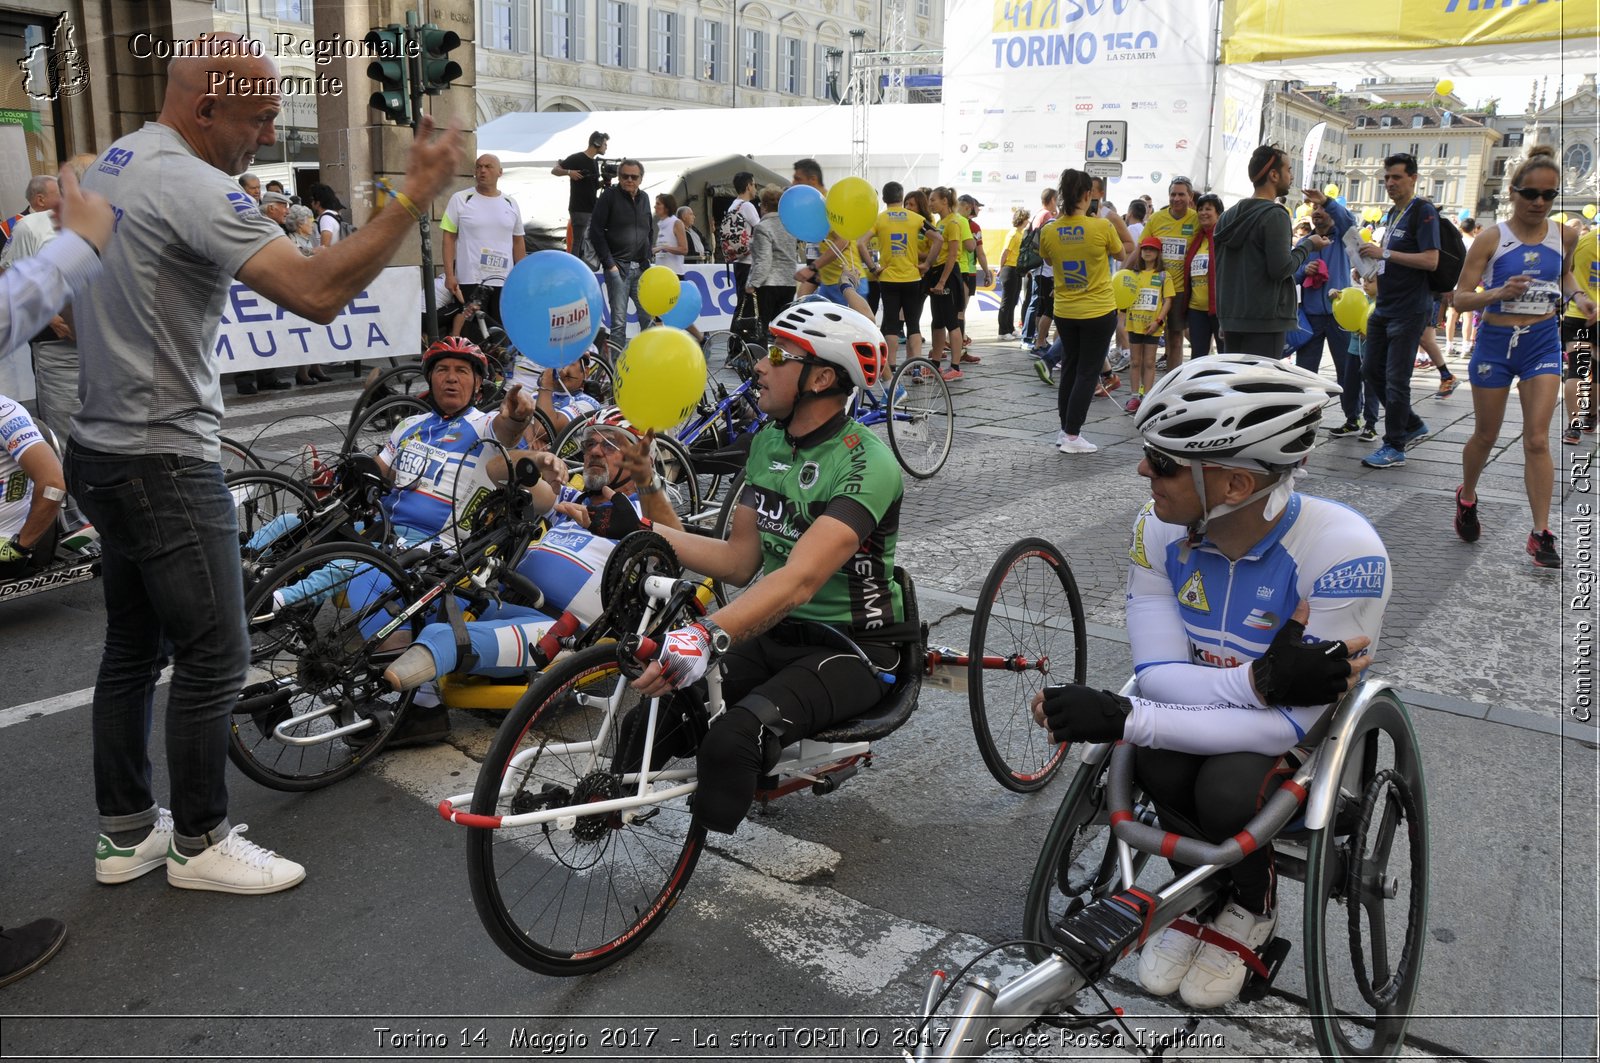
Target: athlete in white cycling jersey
[32, 488]
[1251, 610]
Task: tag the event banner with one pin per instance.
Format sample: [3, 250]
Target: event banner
[1024, 80]
[382, 322]
[1264, 30]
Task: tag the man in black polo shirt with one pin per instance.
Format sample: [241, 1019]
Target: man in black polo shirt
[584, 172]
[1408, 253]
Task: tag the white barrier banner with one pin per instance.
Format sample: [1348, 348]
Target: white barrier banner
[1023, 80]
[384, 321]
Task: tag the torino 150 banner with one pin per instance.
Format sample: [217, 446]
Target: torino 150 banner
[1023, 80]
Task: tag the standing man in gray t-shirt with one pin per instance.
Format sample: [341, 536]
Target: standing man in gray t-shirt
[144, 456]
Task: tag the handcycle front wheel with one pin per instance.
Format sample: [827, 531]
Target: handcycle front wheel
[314, 669]
[1029, 627]
[921, 418]
[1367, 893]
[371, 428]
[575, 893]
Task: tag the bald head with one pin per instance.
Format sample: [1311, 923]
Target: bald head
[43, 194]
[487, 172]
[222, 98]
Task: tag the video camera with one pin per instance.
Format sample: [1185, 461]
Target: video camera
[609, 168]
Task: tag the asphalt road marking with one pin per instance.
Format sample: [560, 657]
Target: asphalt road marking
[35, 710]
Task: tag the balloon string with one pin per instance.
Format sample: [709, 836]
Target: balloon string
[844, 263]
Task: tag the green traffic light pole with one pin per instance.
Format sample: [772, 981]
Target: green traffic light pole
[430, 305]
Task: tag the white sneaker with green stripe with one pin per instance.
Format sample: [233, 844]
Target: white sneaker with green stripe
[233, 865]
[114, 864]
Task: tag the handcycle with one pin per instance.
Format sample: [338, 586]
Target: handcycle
[68, 553]
[1335, 827]
[580, 833]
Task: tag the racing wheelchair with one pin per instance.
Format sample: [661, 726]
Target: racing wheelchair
[1351, 824]
[580, 832]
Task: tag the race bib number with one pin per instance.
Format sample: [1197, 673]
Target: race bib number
[1147, 299]
[1200, 265]
[1173, 248]
[1541, 298]
[493, 264]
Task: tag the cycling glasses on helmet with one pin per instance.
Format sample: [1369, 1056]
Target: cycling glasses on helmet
[1163, 465]
[777, 356]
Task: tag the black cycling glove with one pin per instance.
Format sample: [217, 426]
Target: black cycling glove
[1083, 714]
[1296, 672]
[616, 519]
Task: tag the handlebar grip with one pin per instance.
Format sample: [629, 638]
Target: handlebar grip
[647, 649]
[634, 652]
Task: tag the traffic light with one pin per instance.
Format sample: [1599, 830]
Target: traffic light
[388, 67]
[435, 46]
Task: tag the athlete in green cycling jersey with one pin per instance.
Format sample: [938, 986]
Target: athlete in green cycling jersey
[819, 516]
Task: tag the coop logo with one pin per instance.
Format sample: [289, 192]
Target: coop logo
[1084, 106]
[1362, 578]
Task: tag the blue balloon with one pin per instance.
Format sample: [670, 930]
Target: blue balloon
[804, 213]
[686, 311]
[1297, 336]
[551, 308]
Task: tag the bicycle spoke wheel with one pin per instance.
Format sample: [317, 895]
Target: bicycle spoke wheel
[575, 893]
[726, 592]
[1029, 627]
[1367, 893]
[316, 667]
[921, 418]
[237, 457]
[371, 429]
[269, 507]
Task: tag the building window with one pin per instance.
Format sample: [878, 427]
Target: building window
[1417, 121]
[666, 42]
[1414, 149]
[1513, 140]
[710, 60]
[619, 33]
[753, 58]
[1444, 149]
[1355, 149]
[825, 89]
[792, 66]
[1352, 192]
[505, 25]
[229, 7]
[1438, 191]
[287, 10]
[924, 8]
[1387, 149]
[563, 29]
[1387, 121]
[1578, 160]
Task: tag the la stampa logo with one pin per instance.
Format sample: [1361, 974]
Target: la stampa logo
[56, 69]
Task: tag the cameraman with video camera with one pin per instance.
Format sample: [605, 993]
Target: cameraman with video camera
[584, 168]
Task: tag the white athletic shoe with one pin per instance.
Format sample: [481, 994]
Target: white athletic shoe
[1217, 975]
[1080, 445]
[113, 864]
[233, 865]
[1061, 437]
[1165, 960]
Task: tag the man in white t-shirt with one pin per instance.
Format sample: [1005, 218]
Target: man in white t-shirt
[744, 191]
[483, 239]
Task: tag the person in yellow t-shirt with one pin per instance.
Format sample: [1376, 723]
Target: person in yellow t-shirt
[1077, 247]
[1010, 276]
[1577, 340]
[1174, 225]
[947, 293]
[1152, 305]
[898, 230]
[1200, 271]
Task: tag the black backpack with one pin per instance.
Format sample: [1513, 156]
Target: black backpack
[1452, 255]
[1028, 257]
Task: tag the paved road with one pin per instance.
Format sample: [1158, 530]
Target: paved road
[829, 913]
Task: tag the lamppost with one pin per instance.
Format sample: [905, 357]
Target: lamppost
[857, 46]
[833, 56]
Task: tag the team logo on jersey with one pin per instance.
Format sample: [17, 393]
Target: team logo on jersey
[1193, 594]
[16, 486]
[808, 475]
[1530, 258]
[1363, 577]
[1260, 620]
[852, 441]
[778, 466]
[1265, 593]
[1136, 552]
[242, 202]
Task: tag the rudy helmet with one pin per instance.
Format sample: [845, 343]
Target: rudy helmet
[837, 335]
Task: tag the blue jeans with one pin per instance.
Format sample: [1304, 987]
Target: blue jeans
[620, 287]
[1356, 398]
[1323, 327]
[1391, 348]
[173, 584]
[1203, 329]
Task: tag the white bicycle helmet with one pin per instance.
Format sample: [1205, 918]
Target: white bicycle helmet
[837, 335]
[1239, 410]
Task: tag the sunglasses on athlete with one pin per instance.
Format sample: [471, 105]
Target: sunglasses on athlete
[597, 438]
[1547, 194]
[777, 356]
[1163, 465]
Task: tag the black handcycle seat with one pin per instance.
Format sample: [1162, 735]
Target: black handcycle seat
[900, 701]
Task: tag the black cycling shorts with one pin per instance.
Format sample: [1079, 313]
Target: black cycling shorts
[902, 300]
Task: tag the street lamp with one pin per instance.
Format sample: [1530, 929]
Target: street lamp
[858, 39]
[833, 56]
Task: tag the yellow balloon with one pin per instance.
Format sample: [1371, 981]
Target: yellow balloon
[1124, 288]
[1445, 87]
[660, 377]
[1366, 236]
[1332, 191]
[658, 291]
[1350, 309]
[852, 207]
[1590, 211]
[1559, 219]
[1585, 265]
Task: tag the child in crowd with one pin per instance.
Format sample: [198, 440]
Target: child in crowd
[1147, 319]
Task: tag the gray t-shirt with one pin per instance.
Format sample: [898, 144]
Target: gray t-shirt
[146, 327]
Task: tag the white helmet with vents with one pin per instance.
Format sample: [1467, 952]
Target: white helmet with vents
[836, 335]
